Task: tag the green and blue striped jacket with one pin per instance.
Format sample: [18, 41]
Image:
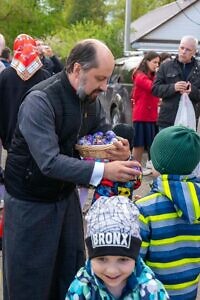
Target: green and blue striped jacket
[170, 230]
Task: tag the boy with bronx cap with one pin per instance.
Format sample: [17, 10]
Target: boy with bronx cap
[170, 215]
[114, 269]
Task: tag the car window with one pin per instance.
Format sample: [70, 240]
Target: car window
[127, 75]
[121, 75]
[115, 77]
[123, 69]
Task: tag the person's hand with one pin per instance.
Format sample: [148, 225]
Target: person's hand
[136, 197]
[47, 51]
[181, 86]
[189, 88]
[122, 171]
[121, 151]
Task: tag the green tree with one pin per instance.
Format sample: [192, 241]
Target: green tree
[65, 39]
[63, 22]
[90, 10]
[22, 16]
[112, 32]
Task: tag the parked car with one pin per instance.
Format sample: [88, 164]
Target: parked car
[116, 100]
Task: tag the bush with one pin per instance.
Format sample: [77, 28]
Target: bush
[63, 40]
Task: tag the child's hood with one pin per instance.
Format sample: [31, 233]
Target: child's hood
[141, 282]
[184, 192]
[141, 274]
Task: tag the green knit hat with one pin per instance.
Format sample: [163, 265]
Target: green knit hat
[175, 150]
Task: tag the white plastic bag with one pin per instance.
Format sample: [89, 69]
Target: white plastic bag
[185, 115]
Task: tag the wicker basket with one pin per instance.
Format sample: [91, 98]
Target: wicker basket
[94, 151]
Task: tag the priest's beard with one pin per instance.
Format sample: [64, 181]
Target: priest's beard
[82, 94]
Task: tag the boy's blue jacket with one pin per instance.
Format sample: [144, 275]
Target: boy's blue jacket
[141, 285]
[170, 231]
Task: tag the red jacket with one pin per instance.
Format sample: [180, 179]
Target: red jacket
[145, 107]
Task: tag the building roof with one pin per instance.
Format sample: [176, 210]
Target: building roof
[143, 27]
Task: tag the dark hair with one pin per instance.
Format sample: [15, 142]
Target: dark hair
[126, 131]
[6, 53]
[164, 56]
[83, 53]
[143, 67]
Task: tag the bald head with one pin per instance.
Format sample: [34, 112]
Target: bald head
[89, 67]
[89, 53]
[99, 46]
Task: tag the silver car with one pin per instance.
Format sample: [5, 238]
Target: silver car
[116, 100]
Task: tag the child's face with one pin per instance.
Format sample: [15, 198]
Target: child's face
[114, 271]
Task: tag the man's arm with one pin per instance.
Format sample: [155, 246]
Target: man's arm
[162, 87]
[194, 83]
[37, 125]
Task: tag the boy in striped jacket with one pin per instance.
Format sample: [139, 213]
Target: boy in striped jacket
[170, 215]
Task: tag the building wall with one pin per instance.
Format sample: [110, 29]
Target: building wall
[168, 35]
[180, 25]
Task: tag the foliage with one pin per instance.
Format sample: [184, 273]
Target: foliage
[77, 11]
[65, 39]
[22, 16]
[64, 22]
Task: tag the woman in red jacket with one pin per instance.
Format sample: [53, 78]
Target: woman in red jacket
[145, 105]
